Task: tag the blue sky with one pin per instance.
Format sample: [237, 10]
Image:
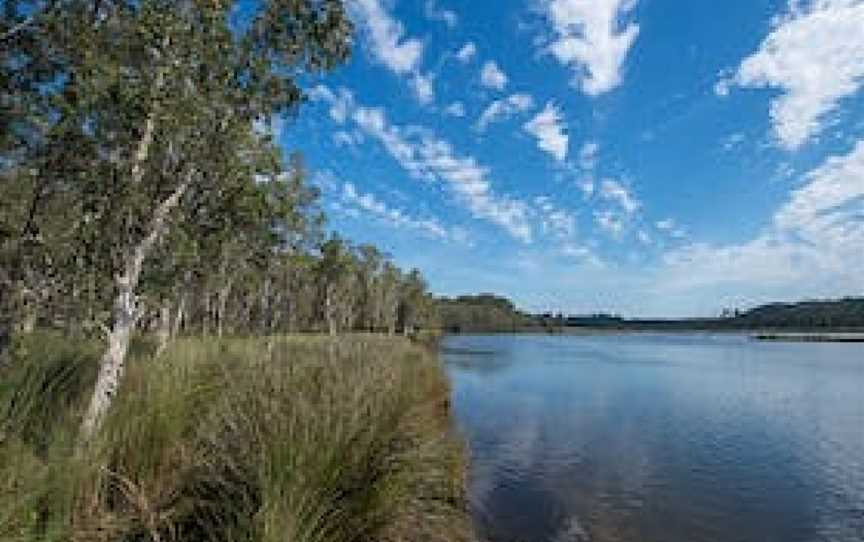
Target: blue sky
[645, 157]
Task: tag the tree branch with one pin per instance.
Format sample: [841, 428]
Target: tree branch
[28, 22]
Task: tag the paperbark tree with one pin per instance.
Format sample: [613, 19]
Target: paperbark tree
[164, 94]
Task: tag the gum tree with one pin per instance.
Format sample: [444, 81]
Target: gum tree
[152, 102]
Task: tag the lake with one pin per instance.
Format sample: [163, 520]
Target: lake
[666, 438]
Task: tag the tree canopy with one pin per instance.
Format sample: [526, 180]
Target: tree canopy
[141, 188]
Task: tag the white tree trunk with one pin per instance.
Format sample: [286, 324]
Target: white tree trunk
[112, 366]
[330, 312]
[222, 308]
[266, 307]
[125, 315]
[179, 317]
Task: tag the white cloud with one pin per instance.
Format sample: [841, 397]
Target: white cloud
[588, 155]
[386, 37]
[389, 46]
[347, 139]
[467, 52]
[617, 219]
[610, 222]
[491, 76]
[554, 220]
[733, 141]
[829, 196]
[470, 182]
[814, 242]
[670, 227]
[354, 204]
[667, 224]
[591, 38]
[587, 186]
[612, 190]
[550, 132]
[426, 157]
[581, 253]
[815, 56]
[436, 13]
[456, 109]
[339, 104]
[502, 109]
[423, 88]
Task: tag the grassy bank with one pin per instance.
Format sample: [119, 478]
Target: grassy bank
[310, 440]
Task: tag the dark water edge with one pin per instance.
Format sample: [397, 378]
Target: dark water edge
[650, 437]
[812, 337]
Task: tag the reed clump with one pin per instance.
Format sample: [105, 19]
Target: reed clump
[293, 439]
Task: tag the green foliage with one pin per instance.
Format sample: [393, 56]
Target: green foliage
[842, 313]
[128, 125]
[313, 440]
[831, 315]
[482, 313]
[139, 192]
[126, 104]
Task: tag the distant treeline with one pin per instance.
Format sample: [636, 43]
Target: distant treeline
[482, 313]
[842, 313]
[490, 313]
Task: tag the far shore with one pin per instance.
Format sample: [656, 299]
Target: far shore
[838, 336]
[812, 337]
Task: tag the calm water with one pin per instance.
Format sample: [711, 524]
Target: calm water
[661, 438]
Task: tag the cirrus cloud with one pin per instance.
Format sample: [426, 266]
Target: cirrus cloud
[813, 243]
[424, 156]
[389, 46]
[501, 109]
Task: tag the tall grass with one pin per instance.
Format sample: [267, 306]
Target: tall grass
[309, 440]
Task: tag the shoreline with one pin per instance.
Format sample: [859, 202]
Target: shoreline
[803, 335]
[829, 337]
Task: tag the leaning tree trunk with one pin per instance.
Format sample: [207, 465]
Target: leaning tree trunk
[113, 361]
[125, 316]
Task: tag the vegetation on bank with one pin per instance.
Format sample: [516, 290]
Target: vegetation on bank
[142, 188]
[490, 313]
[143, 194]
[826, 315]
[306, 439]
[845, 313]
[481, 313]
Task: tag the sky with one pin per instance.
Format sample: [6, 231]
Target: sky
[639, 157]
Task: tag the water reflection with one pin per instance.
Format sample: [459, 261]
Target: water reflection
[662, 438]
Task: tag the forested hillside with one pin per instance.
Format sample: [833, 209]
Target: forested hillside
[491, 313]
[483, 312]
[842, 313]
